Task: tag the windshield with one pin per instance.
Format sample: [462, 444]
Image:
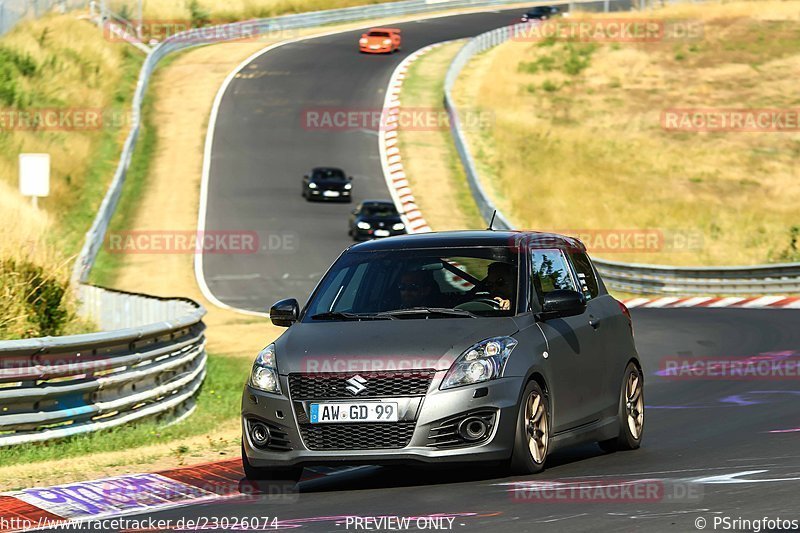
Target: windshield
[420, 283]
[328, 174]
[379, 210]
[378, 34]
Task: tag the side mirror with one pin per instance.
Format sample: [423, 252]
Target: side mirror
[562, 303]
[349, 178]
[284, 313]
[354, 211]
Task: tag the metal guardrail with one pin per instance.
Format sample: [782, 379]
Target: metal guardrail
[634, 278]
[55, 387]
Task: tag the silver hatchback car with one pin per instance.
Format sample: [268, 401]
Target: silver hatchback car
[456, 347]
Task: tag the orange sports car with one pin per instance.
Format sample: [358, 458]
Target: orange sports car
[380, 41]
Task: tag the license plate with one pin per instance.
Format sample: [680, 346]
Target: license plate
[354, 412]
[331, 194]
[374, 46]
[381, 233]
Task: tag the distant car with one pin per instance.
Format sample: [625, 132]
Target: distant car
[375, 218]
[541, 13]
[327, 183]
[380, 41]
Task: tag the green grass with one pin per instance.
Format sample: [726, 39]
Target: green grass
[219, 401]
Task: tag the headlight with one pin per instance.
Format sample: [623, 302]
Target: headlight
[387, 41]
[481, 362]
[312, 185]
[363, 41]
[363, 225]
[398, 226]
[348, 186]
[264, 375]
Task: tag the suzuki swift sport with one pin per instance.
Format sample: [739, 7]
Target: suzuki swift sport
[457, 347]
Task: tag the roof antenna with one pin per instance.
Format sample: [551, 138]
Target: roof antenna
[491, 222]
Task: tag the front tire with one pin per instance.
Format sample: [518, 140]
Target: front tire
[532, 439]
[631, 413]
[253, 473]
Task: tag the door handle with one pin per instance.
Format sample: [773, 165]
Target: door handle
[594, 322]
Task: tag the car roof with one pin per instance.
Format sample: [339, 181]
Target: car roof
[396, 30]
[377, 202]
[472, 238]
[327, 169]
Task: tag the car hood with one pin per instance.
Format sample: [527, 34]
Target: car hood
[377, 345]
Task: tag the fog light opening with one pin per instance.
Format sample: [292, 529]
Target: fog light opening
[259, 434]
[472, 429]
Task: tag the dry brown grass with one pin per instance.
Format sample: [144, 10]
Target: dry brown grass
[56, 63]
[587, 151]
[230, 9]
[430, 160]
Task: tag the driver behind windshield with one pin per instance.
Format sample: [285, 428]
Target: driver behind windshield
[498, 283]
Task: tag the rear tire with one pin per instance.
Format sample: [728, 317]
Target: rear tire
[532, 439]
[253, 473]
[631, 413]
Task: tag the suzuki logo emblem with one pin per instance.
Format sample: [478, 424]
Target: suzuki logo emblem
[356, 384]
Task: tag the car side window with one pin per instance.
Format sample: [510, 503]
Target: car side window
[549, 272]
[586, 277]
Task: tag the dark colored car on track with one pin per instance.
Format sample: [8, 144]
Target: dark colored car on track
[456, 347]
[540, 13]
[327, 183]
[373, 219]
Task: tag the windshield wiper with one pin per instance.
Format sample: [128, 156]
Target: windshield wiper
[443, 311]
[344, 315]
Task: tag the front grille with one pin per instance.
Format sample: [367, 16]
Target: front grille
[357, 436]
[378, 384]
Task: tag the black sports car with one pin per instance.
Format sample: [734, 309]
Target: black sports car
[375, 218]
[456, 347]
[540, 13]
[327, 183]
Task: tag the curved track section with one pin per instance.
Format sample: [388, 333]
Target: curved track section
[262, 146]
[716, 448]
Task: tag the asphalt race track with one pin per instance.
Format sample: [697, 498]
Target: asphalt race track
[712, 448]
[741, 436]
[262, 147]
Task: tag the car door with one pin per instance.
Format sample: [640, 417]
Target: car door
[611, 326]
[574, 356]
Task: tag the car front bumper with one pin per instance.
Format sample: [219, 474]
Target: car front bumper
[501, 397]
[320, 194]
[382, 49]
